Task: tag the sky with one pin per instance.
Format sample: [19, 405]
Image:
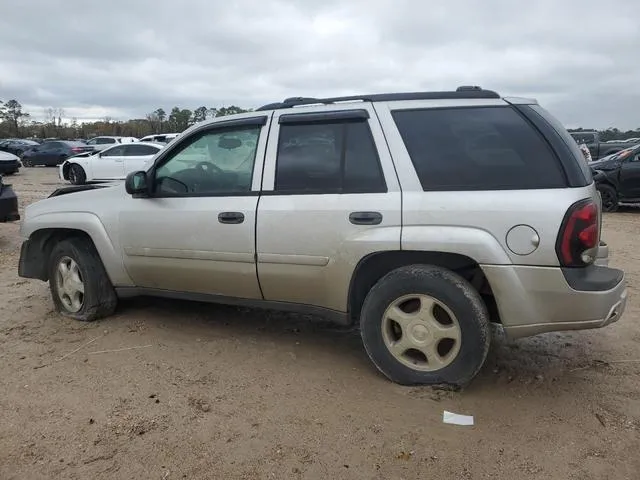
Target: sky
[123, 59]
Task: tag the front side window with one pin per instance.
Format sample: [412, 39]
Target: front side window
[331, 157]
[213, 162]
[105, 141]
[114, 152]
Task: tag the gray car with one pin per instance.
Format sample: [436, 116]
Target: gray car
[421, 217]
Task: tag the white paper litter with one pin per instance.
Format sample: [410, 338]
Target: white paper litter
[456, 419]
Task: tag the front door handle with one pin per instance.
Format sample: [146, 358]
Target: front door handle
[231, 217]
[365, 218]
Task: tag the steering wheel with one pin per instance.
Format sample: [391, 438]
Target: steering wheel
[209, 168]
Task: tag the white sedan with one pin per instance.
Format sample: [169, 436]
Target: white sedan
[113, 163]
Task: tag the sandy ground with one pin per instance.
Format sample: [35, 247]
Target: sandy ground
[220, 392]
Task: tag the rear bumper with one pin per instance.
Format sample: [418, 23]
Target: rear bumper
[533, 300]
[8, 205]
[10, 166]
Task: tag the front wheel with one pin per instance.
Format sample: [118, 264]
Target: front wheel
[79, 284]
[609, 197]
[26, 162]
[77, 176]
[424, 324]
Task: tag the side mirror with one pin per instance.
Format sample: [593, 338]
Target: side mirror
[136, 184]
[229, 143]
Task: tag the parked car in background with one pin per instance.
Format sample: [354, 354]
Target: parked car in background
[100, 143]
[112, 163]
[632, 140]
[9, 163]
[598, 148]
[8, 203]
[422, 217]
[17, 146]
[617, 178]
[52, 154]
[161, 137]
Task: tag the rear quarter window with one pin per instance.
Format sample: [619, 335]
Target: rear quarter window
[477, 148]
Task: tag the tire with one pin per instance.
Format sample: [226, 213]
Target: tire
[77, 175]
[453, 299]
[609, 197]
[83, 267]
[26, 163]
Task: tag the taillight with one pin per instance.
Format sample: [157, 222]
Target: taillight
[579, 235]
[76, 149]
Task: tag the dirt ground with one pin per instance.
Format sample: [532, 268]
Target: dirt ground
[207, 391]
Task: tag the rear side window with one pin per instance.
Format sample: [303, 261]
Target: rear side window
[330, 157]
[477, 148]
[105, 141]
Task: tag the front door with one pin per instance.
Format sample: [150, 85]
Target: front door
[136, 157]
[330, 197]
[109, 164]
[196, 231]
[630, 176]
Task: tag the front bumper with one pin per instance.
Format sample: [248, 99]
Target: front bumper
[533, 300]
[8, 204]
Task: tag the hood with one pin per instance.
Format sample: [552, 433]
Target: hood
[7, 157]
[604, 163]
[84, 198]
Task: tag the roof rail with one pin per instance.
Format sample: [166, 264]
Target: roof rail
[465, 91]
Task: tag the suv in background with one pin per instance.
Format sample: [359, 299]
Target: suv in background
[160, 138]
[422, 217]
[100, 143]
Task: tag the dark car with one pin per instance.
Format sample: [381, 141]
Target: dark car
[17, 146]
[8, 203]
[9, 163]
[617, 178]
[53, 153]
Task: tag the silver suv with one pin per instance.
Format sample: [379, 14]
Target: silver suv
[422, 216]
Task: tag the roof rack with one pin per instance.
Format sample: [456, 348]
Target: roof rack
[466, 91]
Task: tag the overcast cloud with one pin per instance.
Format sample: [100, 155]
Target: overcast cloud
[124, 59]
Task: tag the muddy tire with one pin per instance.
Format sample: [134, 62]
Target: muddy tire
[77, 175]
[79, 284]
[425, 325]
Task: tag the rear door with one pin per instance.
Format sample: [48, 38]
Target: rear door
[330, 197]
[109, 164]
[136, 157]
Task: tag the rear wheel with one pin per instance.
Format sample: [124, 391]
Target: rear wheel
[609, 197]
[424, 324]
[79, 284]
[26, 162]
[77, 176]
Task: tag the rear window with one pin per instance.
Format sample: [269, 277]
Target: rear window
[477, 148]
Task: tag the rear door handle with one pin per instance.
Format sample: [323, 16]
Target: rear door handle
[365, 218]
[231, 217]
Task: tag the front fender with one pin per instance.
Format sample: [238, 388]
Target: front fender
[40, 230]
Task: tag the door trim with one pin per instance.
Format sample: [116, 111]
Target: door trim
[189, 254]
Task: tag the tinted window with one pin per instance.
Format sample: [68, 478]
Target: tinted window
[336, 157]
[584, 137]
[209, 163]
[484, 148]
[114, 152]
[104, 141]
[139, 150]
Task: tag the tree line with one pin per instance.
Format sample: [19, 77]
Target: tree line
[15, 122]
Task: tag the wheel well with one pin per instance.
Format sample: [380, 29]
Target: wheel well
[375, 266]
[65, 170]
[41, 243]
